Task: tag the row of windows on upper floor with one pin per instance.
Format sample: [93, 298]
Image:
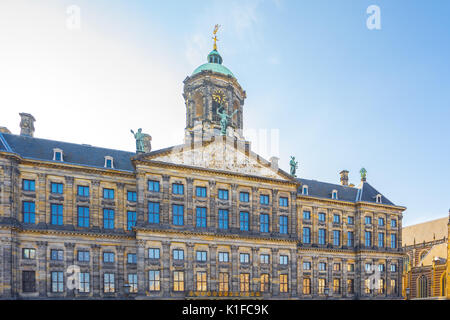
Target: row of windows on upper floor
[350, 219]
[334, 194]
[177, 189]
[58, 155]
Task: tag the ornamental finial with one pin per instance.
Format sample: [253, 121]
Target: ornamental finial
[363, 173]
[216, 28]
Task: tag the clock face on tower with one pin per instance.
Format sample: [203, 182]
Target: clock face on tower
[219, 97]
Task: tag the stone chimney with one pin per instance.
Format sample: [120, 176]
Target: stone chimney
[344, 177]
[26, 124]
[274, 163]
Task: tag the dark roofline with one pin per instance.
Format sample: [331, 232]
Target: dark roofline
[5, 144]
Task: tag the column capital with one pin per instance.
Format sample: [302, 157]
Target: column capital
[95, 183]
[234, 186]
[141, 243]
[120, 249]
[166, 177]
[120, 185]
[69, 245]
[69, 179]
[42, 243]
[189, 180]
[95, 246]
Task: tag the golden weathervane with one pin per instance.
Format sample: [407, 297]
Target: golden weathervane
[216, 28]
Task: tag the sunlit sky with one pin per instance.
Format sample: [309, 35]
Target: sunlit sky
[342, 96]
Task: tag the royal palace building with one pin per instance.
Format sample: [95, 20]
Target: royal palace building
[205, 219]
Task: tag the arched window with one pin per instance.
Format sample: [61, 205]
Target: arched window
[422, 287]
[305, 190]
[334, 194]
[378, 198]
[422, 255]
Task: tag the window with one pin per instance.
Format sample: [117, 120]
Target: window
[264, 283]
[201, 256]
[336, 267]
[28, 253]
[334, 195]
[350, 286]
[350, 238]
[305, 190]
[28, 185]
[131, 219]
[57, 155]
[201, 281]
[131, 196]
[83, 191]
[264, 199]
[368, 220]
[283, 224]
[306, 286]
[284, 283]
[393, 223]
[132, 282]
[224, 257]
[244, 282]
[306, 235]
[368, 267]
[367, 286]
[153, 253]
[264, 258]
[422, 287]
[244, 258]
[57, 188]
[56, 255]
[109, 162]
[83, 217]
[178, 214]
[29, 214]
[321, 217]
[153, 185]
[223, 282]
[336, 286]
[306, 265]
[306, 215]
[322, 233]
[244, 197]
[223, 219]
[381, 221]
[154, 280]
[380, 286]
[56, 214]
[108, 218]
[200, 192]
[108, 194]
[381, 267]
[350, 220]
[351, 267]
[393, 241]
[378, 199]
[368, 238]
[153, 212]
[83, 256]
[223, 194]
[108, 257]
[322, 284]
[380, 240]
[84, 286]
[131, 258]
[243, 221]
[177, 188]
[57, 281]
[322, 266]
[336, 218]
[201, 218]
[393, 268]
[108, 282]
[178, 254]
[283, 202]
[284, 259]
[178, 281]
[394, 287]
[264, 222]
[336, 238]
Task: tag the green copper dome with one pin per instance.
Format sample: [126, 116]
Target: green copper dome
[214, 64]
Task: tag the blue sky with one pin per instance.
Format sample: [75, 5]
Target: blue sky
[342, 96]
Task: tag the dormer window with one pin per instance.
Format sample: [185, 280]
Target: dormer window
[305, 190]
[334, 194]
[109, 162]
[57, 155]
[378, 198]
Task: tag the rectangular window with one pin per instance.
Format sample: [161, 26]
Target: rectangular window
[368, 267]
[368, 220]
[336, 286]
[223, 219]
[29, 213]
[108, 257]
[264, 282]
[284, 202]
[223, 282]
[178, 254]
[244, 197]
[132, 196]
[322, 235]
[393, 268]
[244, 281]
[264, 199]
[284, 259]
[84, 282]
[244, 258]
[177, 188]
[28, 185]
[350, 267]
[56, 255]
[243, 221]
[321, 218]
[83, 256]
[393, 286]
[306, 235]
[368, 238]
[265, 259]
[306, 215]
[264, 222]
[28, 281]
[350, 220]
[393, 241]
[306, 265]
[380, 240]
[83, 217]
[201, 256]
[57, 281]
[178, 281]
[132, 282]
[108, 194]
[322, 266]
[381, 267]
[201, 281]
[153, 186]
[336, 267]
[336, 237]
[284, 287]
[201, 217]
[154, 253]
[306, 286]
[350, 238]
[83, 191]
[321, 288]
[224, 257]
[336, 218]
[350, 286]
[154, 280]
[223, 194]
[56, 188]
[200, 192]
[108, 283]
[393, 223]
[56, 211]
[108, 218]
[153, 212]
[131, 219]
[178, 214]
[283, 224]
[381, 221]
[131, 258]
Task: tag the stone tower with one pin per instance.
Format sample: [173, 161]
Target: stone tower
[210, 80]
